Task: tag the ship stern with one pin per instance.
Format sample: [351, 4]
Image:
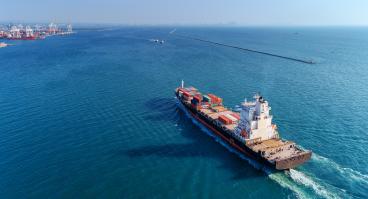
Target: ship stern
[292, 162]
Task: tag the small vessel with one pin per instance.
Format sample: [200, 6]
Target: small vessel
[154, 40]
[250, 131]
[157, 41]
[3, 45]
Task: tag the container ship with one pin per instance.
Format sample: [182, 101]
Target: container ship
[249, 130]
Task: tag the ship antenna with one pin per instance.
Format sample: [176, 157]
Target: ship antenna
[182, 83]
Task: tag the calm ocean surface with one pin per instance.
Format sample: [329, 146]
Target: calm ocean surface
[93, 115]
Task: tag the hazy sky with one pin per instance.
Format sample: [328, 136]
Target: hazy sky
[235, 12]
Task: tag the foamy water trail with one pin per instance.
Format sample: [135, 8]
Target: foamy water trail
[347, 172]
[320, 188]
[288, 183]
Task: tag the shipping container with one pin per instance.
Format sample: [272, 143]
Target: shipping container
[234, 119]
[183, 90]
[204, 106]
[186, 94]
[199, 95]
[223, 119]
[236, 115]
[215, 99]
[198, 98]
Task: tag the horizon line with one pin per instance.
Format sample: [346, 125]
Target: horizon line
[185, 24]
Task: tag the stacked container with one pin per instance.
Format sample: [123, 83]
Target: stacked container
[232, 118]
[197, 98]
[196, 101]
[225, 120]
[215, 99]
[186, 95]
[236, 115]
[205, 104]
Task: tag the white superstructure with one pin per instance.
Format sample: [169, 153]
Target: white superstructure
[256, 120]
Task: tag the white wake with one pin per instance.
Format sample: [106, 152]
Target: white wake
[352, 174]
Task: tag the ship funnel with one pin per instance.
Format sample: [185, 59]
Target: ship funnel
[182, 83]
[257, 96]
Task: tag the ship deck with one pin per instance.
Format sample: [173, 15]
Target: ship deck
[276, 149]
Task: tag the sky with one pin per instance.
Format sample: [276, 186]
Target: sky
[189, 12]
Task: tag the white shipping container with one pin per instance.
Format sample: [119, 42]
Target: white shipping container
[231, 117]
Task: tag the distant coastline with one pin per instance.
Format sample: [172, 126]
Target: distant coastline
[33, 32]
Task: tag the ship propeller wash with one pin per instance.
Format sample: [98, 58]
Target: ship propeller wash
[249, 131]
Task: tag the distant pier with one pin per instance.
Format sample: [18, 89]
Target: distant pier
[245, 49]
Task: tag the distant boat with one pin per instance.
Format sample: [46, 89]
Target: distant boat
[154, 40]
[3, 45]
[157, 41]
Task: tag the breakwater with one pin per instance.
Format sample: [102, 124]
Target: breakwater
[244, 49]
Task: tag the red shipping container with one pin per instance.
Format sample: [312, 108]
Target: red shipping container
[235, 115]
[212, 96]
[225, 120]
[183, 90]
[215, 99]
[186, 94]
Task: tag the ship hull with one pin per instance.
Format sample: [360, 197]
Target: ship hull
[241, 147]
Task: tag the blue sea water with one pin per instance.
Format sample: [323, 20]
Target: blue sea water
[93, 114]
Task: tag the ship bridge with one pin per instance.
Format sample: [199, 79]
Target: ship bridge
[256, 120]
